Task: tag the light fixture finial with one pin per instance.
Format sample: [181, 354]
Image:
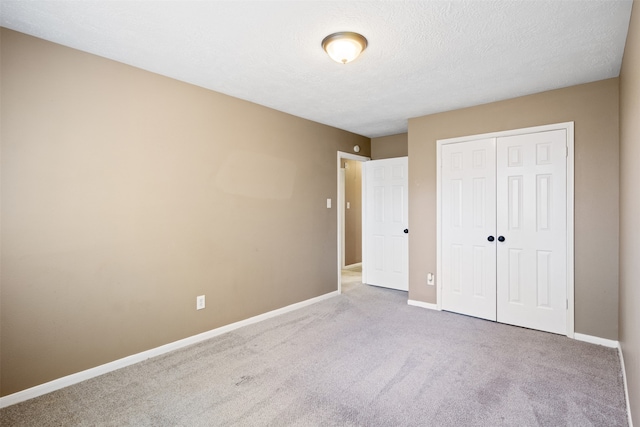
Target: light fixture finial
[344, 46]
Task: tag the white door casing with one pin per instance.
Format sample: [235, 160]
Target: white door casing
[341, 214]
[385, 248]
[532, 219]
[534, 214]
[468, 219]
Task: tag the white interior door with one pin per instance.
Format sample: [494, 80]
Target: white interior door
[385, 254]
[468, 221]
[532, 220]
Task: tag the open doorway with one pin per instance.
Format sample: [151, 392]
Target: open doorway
[350, 219]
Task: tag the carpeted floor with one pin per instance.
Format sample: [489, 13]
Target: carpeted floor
[363, 358]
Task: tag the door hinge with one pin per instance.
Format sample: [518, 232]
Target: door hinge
[567, 304]
[566, 151]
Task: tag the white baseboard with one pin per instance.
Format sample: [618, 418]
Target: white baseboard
[596, 340]
[352, 266]
[626, 387]
[63, 382]
[423, 304]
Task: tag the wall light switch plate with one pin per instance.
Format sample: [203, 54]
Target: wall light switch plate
[200, 302]
[348, 205]
[328, 203]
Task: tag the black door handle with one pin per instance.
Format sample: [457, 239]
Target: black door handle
[406, 231]
[501, 239]
[491, 238]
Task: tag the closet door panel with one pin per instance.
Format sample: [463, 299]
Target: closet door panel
[531, 217]
[468, 219]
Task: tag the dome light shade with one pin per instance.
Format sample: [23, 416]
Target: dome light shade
[344, 47]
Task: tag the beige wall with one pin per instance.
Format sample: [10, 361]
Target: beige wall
[126, 194]
[353, 215]
[388, 147]
[630, 210]
[594, 109]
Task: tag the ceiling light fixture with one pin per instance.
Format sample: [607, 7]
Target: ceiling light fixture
[344, 46]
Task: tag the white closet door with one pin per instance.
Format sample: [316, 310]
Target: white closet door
[531, 217]
[468, 219]
[386, 250]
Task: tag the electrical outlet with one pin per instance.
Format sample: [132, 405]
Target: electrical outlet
[430, 278]
[200, 302]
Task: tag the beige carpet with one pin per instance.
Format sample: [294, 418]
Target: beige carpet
[364, 358]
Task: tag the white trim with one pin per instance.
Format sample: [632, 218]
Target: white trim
[596, 340]
[438, 283]
[59, 383]
[626, 387]
[341, 205]
[570, 231]
[423, 304]
[569, 127]
[512, 132]
[347, 156]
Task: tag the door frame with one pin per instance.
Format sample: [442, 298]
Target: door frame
[569, 128]
[340, 215]
[341, 218]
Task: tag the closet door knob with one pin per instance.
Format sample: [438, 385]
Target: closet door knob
[501, 239]
[491, 238]
[406, 231]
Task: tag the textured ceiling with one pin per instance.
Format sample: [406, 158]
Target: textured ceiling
[423, 56]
